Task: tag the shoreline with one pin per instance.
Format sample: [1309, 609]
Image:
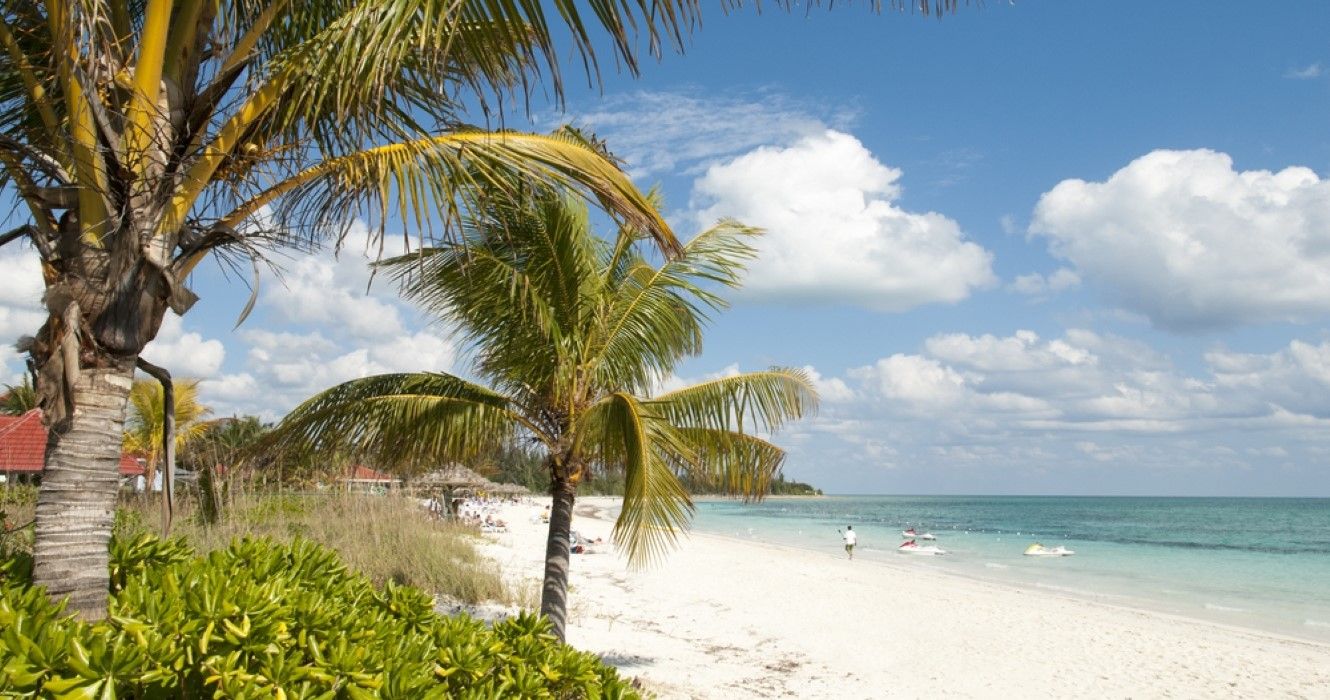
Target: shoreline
[712, 621]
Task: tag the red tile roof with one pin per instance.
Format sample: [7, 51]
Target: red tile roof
[361, 472]
[23, 446]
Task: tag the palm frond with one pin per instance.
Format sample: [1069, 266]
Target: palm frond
[457, 172]
[656, 506]
[144, 425]
[656, 314]
[754, 401]
[520, 284]
[733, 463]
[402, 422]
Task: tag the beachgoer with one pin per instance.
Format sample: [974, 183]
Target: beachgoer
[850, 539]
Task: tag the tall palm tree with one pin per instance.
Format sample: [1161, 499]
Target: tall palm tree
[142, 136]
[18, 399]
[570, 332]
[144, 427]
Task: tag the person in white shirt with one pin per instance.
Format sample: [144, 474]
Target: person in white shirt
[850, 539]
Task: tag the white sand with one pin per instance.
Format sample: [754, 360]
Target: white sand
[724, 618]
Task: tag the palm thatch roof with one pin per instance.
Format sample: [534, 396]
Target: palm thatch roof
[452, 476]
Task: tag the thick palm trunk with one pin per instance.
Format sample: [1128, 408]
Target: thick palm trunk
[76, 503]
[554, 592]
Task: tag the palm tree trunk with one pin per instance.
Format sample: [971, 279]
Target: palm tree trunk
[554, 592]
[76, 503]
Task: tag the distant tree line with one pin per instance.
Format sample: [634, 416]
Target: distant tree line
[512, 464]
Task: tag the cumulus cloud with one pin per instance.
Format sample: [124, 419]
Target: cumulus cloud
[834, 232]
[324, 324]
[21, 310]
[184, 354]
[660, 132]
[966, 410]
[1037, 285]
[1295, 378]
[333, 291]
[829, 389]
[1193, 244]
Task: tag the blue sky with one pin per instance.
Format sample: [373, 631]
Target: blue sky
[1043, 247]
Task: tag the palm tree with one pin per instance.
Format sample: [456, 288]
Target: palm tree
[144, 136]
[569, 334]
[17, 400]
[146, 422]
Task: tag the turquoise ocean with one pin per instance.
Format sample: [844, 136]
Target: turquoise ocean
[1261, 563]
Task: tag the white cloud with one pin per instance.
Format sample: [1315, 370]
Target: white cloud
[326, 292]
[1185, 239]
[232, 390]
[1037, 285]
[21, 311]
[829, 389]
[1295, 378]
[833, 231]
[1307, 72]
[968, 410]
[183, 354]
[659, 132]
[325, 325]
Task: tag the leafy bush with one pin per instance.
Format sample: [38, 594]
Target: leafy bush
[261, 619]
[436, 556]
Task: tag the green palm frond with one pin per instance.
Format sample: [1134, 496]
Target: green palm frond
[751, 402]
[520, 284]
[656, 506]
[732, 463]
[655, 313]
[458, 172]
[17, 399]
[402, 422]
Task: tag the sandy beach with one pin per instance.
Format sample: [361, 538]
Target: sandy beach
[725, 618]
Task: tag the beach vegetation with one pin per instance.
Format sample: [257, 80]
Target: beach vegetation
[265, 619]
[572, 336]
[438, 556]
[141, 138]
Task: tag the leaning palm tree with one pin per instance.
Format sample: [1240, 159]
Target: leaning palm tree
[143, 136]
[570, 332]
[145, 425]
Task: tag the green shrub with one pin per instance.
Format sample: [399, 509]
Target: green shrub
[261, 619]
[386, 538]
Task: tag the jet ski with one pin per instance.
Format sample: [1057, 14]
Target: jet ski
[911, 534]
[913, 547]
[1039, 550]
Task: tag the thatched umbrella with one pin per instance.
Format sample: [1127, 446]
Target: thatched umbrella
[449, 480]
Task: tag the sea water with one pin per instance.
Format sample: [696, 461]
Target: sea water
[1253, 562]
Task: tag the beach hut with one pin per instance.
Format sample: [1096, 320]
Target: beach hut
[447, 483]
[362, 478]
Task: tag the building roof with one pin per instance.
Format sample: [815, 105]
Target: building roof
[361, 472]
[23, 446]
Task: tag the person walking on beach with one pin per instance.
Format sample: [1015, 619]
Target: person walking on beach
[850, 539]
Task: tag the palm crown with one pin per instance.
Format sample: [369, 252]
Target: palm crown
[570, 332]
[144, 428]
